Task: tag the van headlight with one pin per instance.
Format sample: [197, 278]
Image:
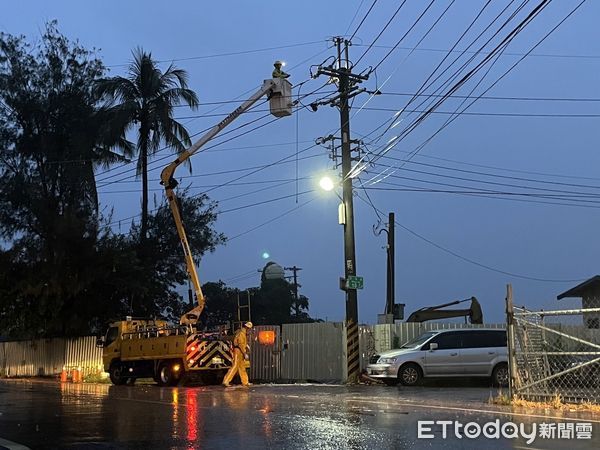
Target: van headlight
[387, 360]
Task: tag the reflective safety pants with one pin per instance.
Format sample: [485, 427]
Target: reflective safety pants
[238, 367]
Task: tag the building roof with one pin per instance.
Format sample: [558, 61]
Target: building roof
[580, 289]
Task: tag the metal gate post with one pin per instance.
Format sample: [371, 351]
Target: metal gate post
[510, 330]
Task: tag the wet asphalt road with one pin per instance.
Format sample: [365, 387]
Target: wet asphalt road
[49, 415]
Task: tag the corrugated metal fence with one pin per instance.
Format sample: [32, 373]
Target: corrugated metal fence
[313, 351]
[46, 357]
[310, 351]
[265, 358]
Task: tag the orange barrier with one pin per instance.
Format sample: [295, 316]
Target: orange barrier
[77, 375]
[63, 375]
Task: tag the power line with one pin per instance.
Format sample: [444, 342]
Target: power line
[264, 202]
[500, 47]
[354, 16]
[547, 199]
[289, 211]
[493, 183]
[437, 166]
[205, 130]
[405, 34]
[484, 97]
[575, 199]
[529, 172]
[405, 58]
[363, 19]
[494, 83]
[423, 85]
[258, 169]
[219, 55]
[419, 94]
[207, 148]
[206, 186]
[242, 275]
[472, 261]
[381, 31]
[169, 156]
[483, 113]
[228, 171]
[535, 55]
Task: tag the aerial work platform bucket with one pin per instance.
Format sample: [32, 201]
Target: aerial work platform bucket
[280, 100]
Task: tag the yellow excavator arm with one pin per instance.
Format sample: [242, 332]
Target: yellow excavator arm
[279, 91]
[474, 313]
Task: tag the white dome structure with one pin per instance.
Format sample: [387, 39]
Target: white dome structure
[273, 271]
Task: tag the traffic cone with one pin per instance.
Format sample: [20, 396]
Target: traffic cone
[63, 375]
[74, 376]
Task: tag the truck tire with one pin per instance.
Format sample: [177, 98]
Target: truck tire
[410, 374]
[116, 373]
[166, 376]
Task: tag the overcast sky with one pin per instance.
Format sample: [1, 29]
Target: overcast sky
[499, 148]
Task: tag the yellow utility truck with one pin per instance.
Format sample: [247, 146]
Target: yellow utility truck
[146, 348]
[137, 348]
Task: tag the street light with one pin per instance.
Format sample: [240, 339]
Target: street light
[350, 282]
[326, 184]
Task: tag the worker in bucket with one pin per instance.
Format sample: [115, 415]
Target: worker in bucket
[277, 72]
[240, 354]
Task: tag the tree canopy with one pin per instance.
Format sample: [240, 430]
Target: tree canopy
[65, 269]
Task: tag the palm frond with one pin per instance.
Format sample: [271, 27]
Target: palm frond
[174, 96]
[115, 89]
[174, 76]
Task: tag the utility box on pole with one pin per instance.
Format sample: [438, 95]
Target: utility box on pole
[280, 100]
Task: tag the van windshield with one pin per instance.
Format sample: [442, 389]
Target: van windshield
[420, 340]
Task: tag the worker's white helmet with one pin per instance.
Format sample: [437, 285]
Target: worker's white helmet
[248, 325]
[278, 63]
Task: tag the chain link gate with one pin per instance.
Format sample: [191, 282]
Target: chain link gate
[553, 354]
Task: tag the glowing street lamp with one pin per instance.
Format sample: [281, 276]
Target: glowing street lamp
[326, 184]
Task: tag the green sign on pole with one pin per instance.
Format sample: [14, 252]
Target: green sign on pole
[354, 282]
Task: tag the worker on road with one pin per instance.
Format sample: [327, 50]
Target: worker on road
[240, 354]
[277, 72]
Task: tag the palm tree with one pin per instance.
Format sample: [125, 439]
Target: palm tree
[145, 99]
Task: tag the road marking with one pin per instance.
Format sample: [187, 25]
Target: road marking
[527, 448]
[10, 445]
[486, 411]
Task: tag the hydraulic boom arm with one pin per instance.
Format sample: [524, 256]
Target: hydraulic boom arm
[474, 313]
[269, 87]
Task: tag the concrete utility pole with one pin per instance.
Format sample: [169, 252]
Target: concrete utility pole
[391, 278]
[295, 270]
[341, 71]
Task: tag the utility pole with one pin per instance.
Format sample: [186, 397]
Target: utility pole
[389, 313]
[391, 267]
[347, 89]
[295, 270]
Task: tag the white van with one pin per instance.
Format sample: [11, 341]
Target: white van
[470, 352]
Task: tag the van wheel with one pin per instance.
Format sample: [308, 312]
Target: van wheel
[410, 374]
[116, 374]
[500, 375]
